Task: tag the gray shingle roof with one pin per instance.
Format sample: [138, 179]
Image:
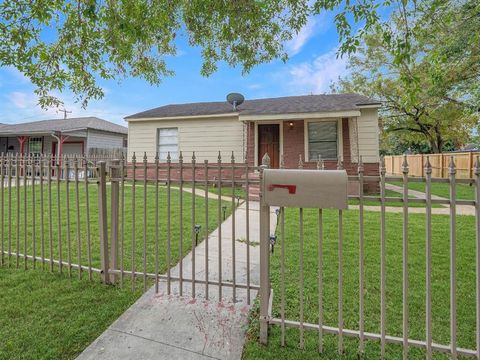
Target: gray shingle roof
[280, 105]
[62, 125]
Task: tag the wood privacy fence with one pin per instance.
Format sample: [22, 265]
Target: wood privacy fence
[464, 163]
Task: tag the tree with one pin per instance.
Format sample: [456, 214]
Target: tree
[429, 96]
[71, 44]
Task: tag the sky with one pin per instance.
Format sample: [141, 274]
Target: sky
[313, 65]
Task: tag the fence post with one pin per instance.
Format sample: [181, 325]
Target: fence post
[264, 255]
[102, 219]
[115, 211]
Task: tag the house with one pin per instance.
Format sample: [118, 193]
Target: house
[293, 128]
[62, 136]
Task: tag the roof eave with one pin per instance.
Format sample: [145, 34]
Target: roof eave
[133, 119]
[300, 116]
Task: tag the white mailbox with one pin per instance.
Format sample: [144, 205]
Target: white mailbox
[305, 188]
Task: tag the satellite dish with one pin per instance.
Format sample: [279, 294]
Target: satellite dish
[235, 99]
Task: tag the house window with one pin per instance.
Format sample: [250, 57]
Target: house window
[322, 140]
[168, 142]
[35, 145]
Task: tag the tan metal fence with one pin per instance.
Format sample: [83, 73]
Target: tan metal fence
[127, 221]
[273, 306]
[133, 222]
[464, 164]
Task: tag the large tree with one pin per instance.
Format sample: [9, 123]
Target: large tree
[430, 95]
[70, 44]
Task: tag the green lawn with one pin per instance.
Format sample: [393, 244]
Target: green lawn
[130, 227]
[226, 190]
[389, 193]
[50, 315]
[440, 228]
[464, 191]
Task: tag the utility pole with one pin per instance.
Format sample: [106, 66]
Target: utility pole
[65, 112]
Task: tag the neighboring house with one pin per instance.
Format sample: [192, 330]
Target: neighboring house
[62, 136]
[297, 127]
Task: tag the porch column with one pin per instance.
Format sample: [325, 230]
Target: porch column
[22, 140]
[61, 139]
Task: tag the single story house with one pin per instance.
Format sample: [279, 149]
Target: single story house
[296, 127]
[62, 136]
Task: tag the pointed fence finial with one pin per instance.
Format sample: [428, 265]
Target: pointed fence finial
[428, 166]
[405, 165]
[156, 157]
[383, 170]
[169, 158]
[282, 161]
[360, 167]
[300, 161]
[219, 158]
[194, 158]
[232, 158]
[452, 170]
[266, 160]
[339, 163]
[144, 157]
[319, 162]
[180, 157]
[134, 157]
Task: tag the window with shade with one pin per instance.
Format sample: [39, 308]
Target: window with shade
[322, 140]
[35, 145]
[168, 142]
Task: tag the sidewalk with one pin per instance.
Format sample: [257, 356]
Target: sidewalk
[161, 326]
[445, 210]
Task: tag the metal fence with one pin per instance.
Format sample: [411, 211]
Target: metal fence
[133, 223]
[129, 221]
[273, 306]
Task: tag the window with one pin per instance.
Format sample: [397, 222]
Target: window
[168, 142]
[35, 145]
[322, 140]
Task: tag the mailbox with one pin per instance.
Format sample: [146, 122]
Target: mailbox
[305, 188]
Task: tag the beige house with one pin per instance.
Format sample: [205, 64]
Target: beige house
[331, 126]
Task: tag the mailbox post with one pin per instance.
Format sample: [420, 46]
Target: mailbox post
[264, 255]
[301, 188]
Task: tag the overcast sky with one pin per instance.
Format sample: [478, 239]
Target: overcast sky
[312, 66]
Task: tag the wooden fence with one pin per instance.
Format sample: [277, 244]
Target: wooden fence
[464, 163]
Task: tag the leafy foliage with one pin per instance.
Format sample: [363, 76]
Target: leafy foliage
[62, 45]
[431, 93]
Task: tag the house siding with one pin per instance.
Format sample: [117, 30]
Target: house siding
[103, 140]
[368, 135]
[204, 136]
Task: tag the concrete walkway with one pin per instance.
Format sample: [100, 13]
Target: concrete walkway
[445, 210]
[161, 326]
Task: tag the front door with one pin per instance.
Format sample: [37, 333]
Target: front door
[269, 143]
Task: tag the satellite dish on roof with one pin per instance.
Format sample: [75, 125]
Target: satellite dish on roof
[235, 99]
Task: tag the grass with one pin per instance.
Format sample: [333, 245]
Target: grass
[55, 316]
[416, 298]
[49, 316]
[134, 233]
[389, 193]
[464, 191]
[226, 190]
